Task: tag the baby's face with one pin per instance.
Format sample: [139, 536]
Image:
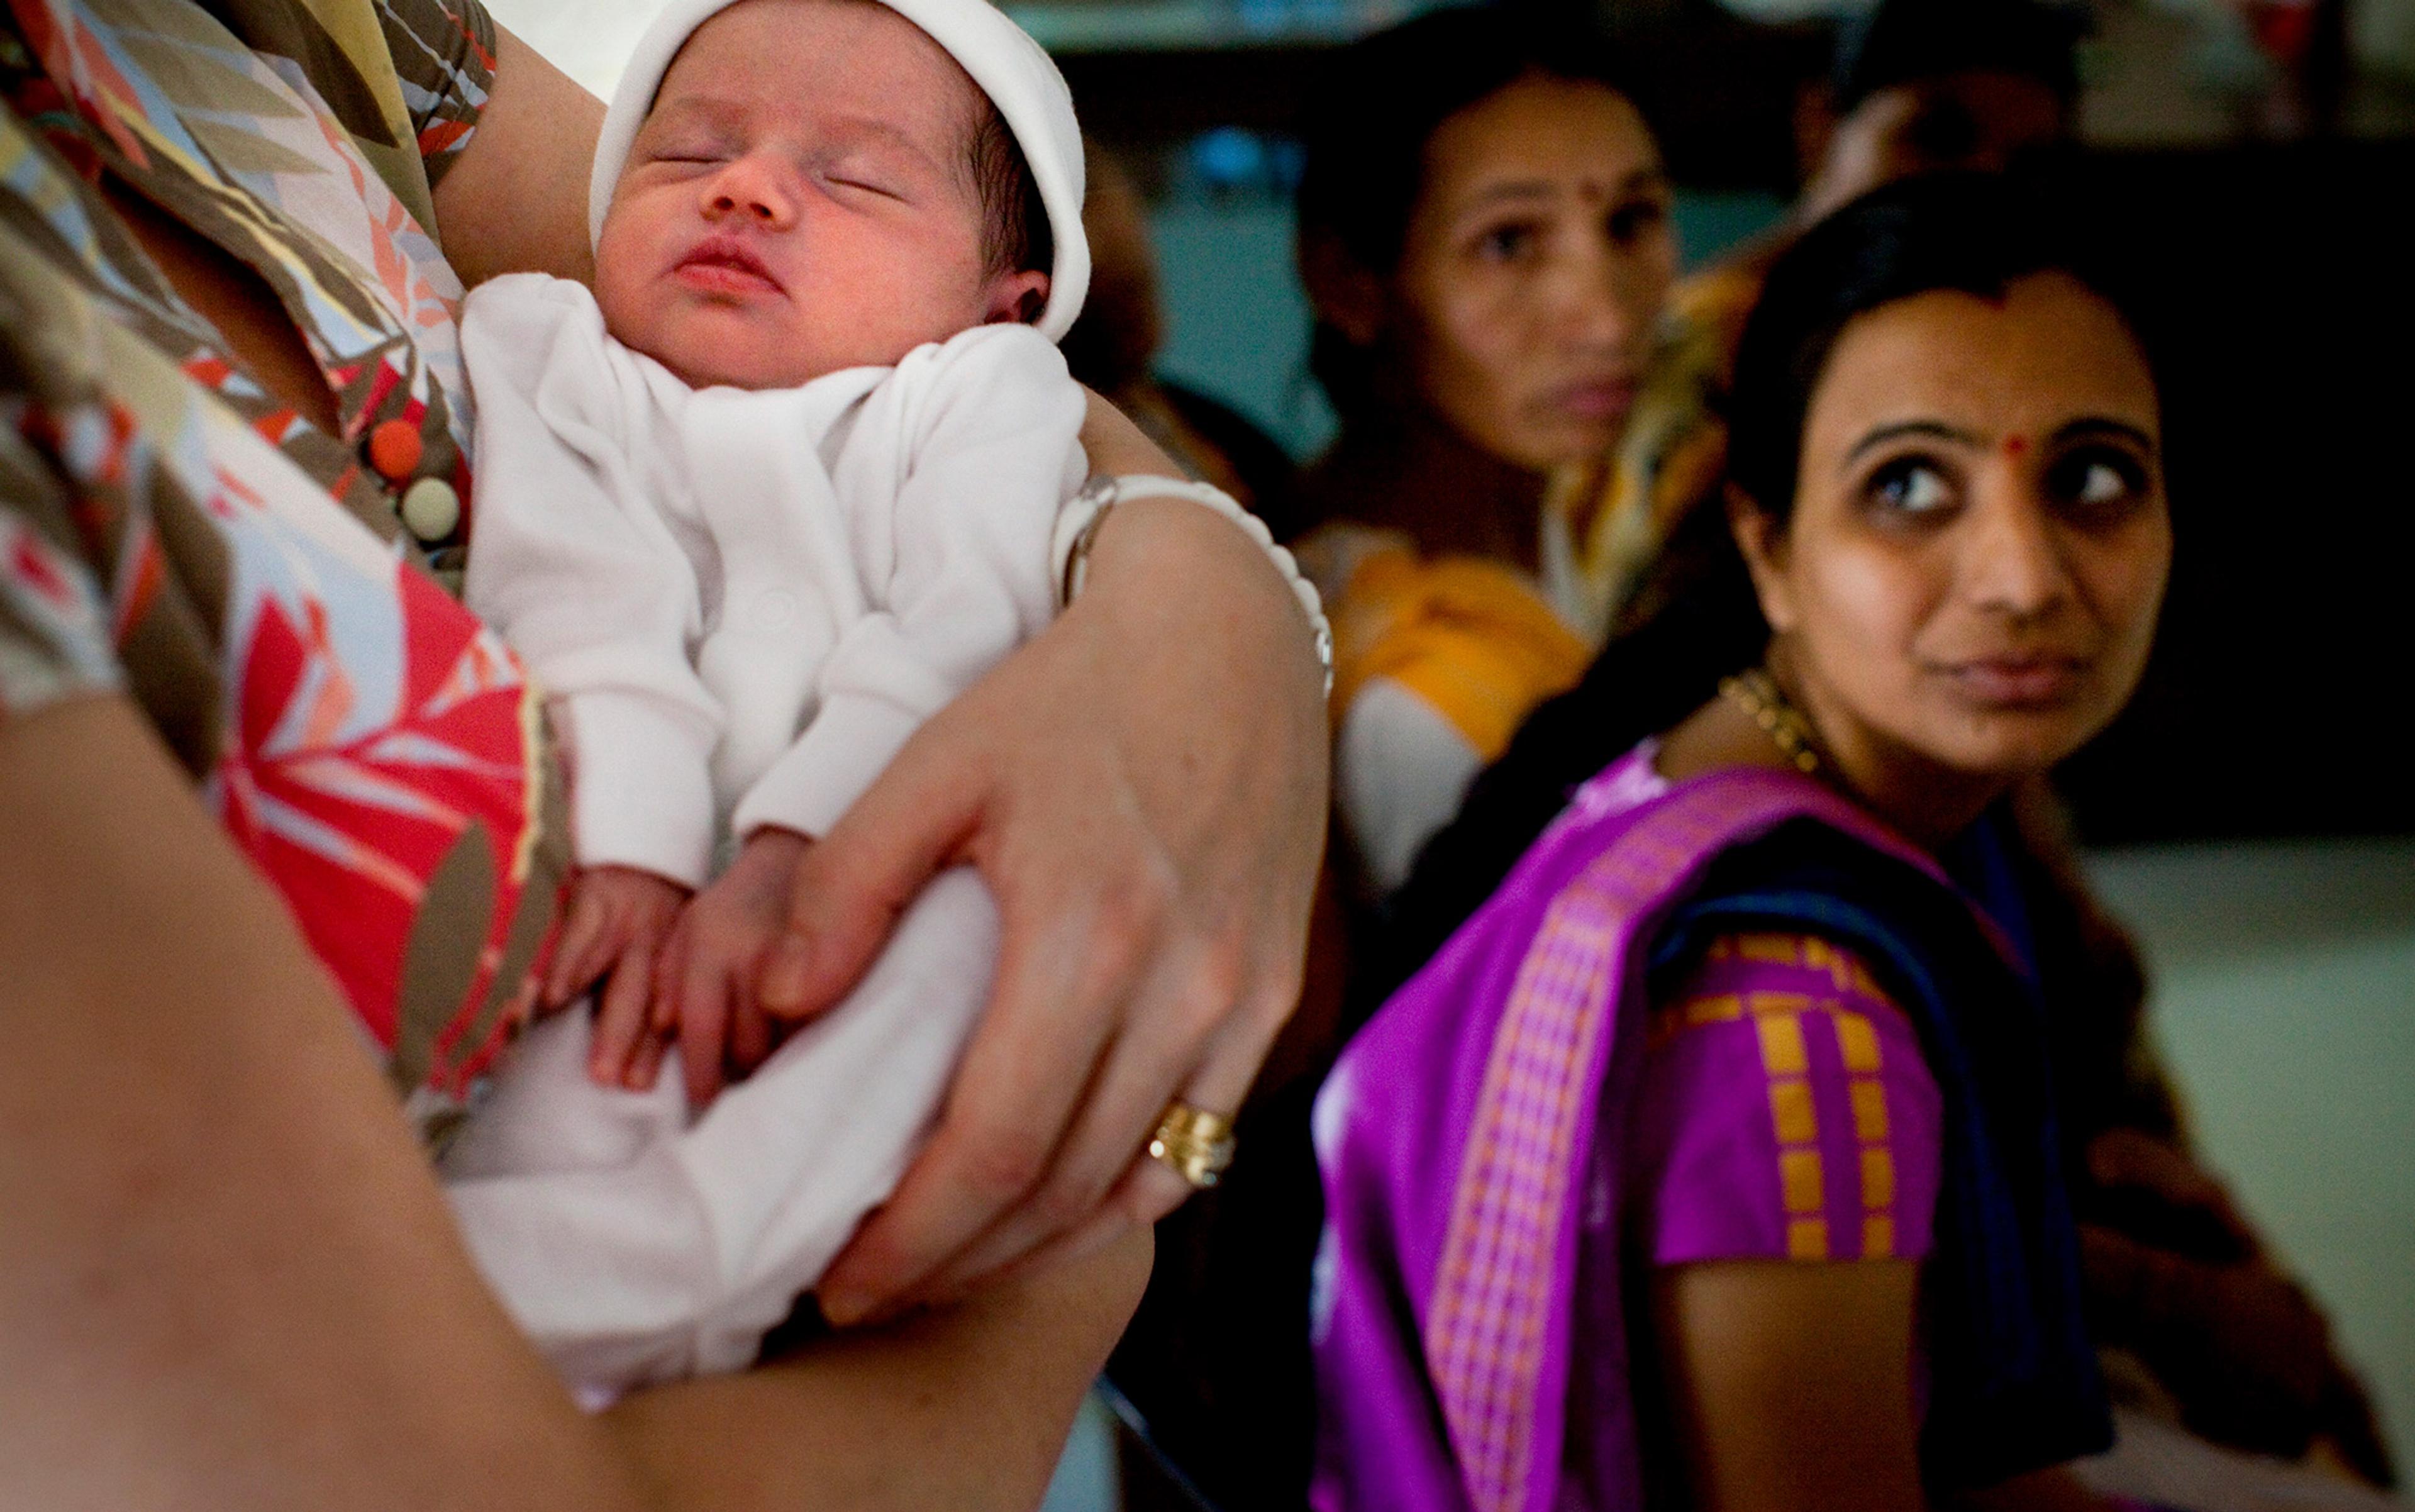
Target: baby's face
[799, 201]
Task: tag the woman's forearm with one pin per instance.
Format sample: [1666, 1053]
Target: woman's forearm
[516, 198]
[1142, 787]
[226, 1275]
[965, 1408]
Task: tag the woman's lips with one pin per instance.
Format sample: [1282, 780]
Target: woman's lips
[1595, 399]
[2018, 681]
[724, 264]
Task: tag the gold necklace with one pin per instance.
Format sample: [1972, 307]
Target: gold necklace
[1757, 692]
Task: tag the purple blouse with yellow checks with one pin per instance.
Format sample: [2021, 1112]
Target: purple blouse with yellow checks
[1785, 1113]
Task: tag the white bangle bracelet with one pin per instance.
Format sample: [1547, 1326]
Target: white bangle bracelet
[1078, 528]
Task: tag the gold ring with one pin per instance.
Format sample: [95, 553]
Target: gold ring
[1196, 1145]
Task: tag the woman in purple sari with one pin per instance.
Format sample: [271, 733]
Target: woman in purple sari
[1713, 1162]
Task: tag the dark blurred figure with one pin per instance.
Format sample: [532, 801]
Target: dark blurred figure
[1112, 345]
[1919, 86]
[1484, 233]
[1935, 85]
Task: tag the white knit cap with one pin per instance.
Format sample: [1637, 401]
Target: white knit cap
[1010, 67]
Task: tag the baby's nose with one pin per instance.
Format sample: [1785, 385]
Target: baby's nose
[746, 189]
[730, 205]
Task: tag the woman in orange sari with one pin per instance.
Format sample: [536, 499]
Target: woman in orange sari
[1484, 230]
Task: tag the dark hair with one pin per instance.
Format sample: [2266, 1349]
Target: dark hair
[1372, 112]
[1905, 42]
[1014, 219]
[1973, 232]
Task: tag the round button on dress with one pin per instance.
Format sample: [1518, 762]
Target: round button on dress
[394, 450]
[431, 510]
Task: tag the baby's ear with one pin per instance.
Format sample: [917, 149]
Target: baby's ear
[1017, 299]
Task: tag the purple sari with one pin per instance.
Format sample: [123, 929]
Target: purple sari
[1461, 1126]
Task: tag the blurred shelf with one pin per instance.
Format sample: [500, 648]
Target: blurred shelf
[1068, 27]
[1720, 95]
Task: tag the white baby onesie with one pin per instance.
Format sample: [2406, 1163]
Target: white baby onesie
[742, 602]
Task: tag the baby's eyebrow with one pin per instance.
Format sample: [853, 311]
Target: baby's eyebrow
[857, 130]
[710, 110]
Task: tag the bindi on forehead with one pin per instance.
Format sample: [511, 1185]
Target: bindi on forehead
[2016, 444]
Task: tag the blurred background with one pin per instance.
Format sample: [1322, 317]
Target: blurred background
[2253, 817]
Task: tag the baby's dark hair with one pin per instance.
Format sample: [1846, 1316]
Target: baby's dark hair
[1014, 219]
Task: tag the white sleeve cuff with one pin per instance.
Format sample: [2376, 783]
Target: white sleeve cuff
[640, 788]
[851, 739]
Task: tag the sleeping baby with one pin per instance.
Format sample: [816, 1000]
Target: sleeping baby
[785, 483]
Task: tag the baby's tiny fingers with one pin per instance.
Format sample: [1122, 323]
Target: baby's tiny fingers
[662, 1015]
[577, 957]
[750, 1034]
[647, 1063]
[619, 1023]
[703, 1026]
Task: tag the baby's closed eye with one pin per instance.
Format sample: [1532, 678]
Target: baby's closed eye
[868, 184]
[865, 172]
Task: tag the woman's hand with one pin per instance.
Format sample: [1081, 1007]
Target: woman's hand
[1144, 788]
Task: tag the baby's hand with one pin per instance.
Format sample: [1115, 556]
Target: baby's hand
[705, 981]
[616, 922]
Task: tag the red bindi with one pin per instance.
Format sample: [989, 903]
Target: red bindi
[2016, 446]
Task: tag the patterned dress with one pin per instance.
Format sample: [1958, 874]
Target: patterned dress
[170, 531]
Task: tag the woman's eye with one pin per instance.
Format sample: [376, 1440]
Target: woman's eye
[1631, 222]
[1910, 487]
[2101, 485]
[1506, 243]
[2097, 479]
